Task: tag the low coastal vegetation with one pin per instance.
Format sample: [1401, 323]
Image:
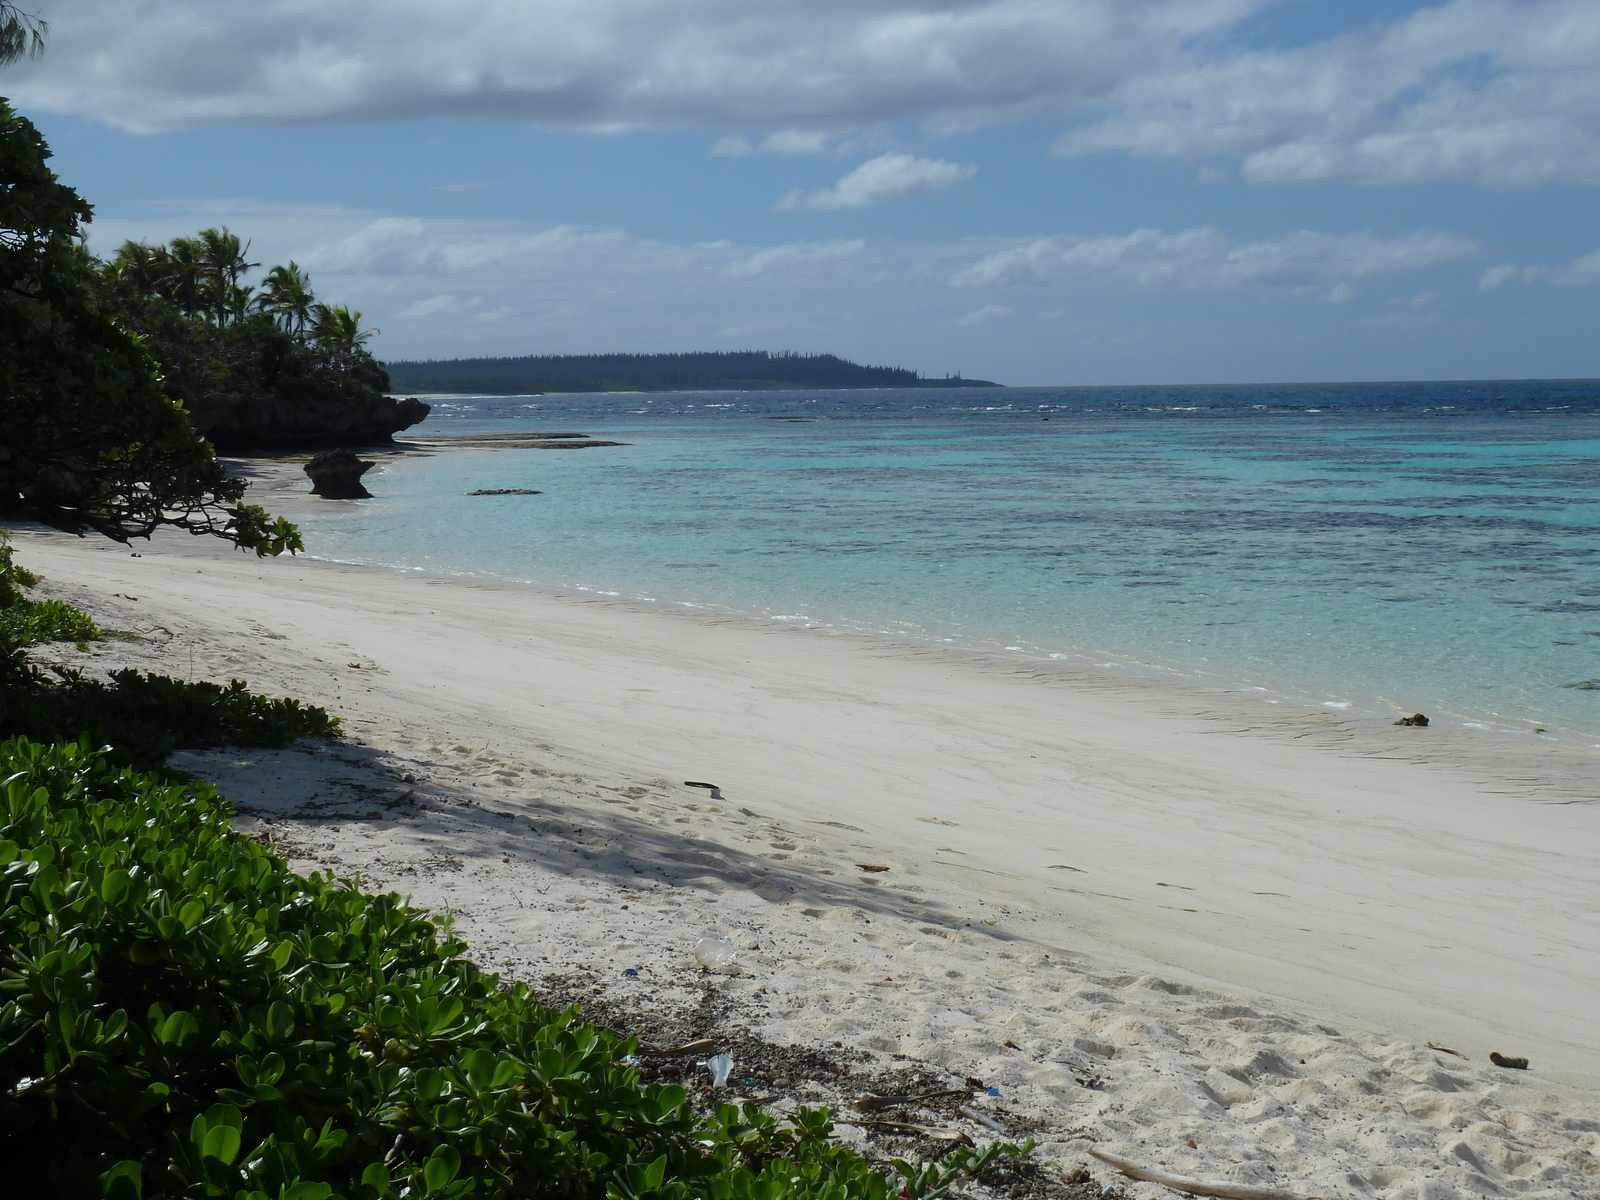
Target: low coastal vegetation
[745, 370]
[184, 1016]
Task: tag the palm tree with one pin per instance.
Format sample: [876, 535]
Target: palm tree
[221, 261]
[338, 331]
[286, 294]
[141, 266]
[21, 34]
[182, 266]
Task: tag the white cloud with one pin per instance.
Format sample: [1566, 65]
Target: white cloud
[1580, 272]
[982, 316]
[882, 180]
[1495, 276]
[788, 142]
[1205, 258]
[774, 258]
[154, 64]
[1504, 93]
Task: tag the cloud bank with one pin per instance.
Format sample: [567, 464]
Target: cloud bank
[1205, 258]
[1503, 93]
[455, 287]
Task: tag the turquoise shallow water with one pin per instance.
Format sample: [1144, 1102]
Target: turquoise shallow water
[1393, 548]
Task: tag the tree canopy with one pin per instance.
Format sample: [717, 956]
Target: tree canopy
[89, 439]
[246, 358]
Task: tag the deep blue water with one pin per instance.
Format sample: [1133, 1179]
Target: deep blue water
[1391, 547]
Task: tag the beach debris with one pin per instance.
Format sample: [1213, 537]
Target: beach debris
[1445, 1050]
[716, 792]
[1503, 1060]
[1224, 1188]
[1416, 719]
[720, 1066]
[506, 492]
[986, 1121]
[698, 1046]
[995, 1092]
[871, 868]
[633, 971]
[872, 1102]
[712, 953]
[336, 475]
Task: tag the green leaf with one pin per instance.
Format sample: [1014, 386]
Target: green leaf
[479, 1069]
[114, 886]
[428, 1083]
[280, 1021]
[307, 1191]
[376, 1176]
[222, 1144]
[179, 1029]
[123, 1181]
[655, 1173]
[441, 1168]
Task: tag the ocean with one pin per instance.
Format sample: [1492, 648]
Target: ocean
[1379, 548]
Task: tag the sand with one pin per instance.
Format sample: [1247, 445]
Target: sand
[1209, 933]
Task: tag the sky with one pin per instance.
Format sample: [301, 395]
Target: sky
[1030, 191]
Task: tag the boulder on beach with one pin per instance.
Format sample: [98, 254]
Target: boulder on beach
[1417, 719]
[336, 475]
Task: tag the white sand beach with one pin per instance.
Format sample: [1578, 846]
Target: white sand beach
[1209, 933]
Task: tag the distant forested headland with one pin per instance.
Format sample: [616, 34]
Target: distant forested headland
[750, 370]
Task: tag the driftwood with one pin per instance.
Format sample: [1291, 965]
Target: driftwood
[871, 1102]
[973, 1114]
[1224, 1188]
[703, 1046]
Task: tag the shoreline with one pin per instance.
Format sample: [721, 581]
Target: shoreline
[1083, 879]
[275, 475]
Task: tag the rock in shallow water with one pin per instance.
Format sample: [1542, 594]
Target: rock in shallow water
[336, 475]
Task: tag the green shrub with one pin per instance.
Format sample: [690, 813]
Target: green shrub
[35, 621]
[25, 622]
[143, 718]
[181, 1015]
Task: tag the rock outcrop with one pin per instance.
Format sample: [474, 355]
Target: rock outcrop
[336, 475]
[268, 424]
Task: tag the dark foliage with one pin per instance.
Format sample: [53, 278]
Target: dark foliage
[741, 370]
[252, 364]
[143, 718]
[88, 439]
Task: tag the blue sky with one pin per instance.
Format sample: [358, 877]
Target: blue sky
[1077, 191]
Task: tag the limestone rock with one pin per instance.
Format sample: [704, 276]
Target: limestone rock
[336, 475]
